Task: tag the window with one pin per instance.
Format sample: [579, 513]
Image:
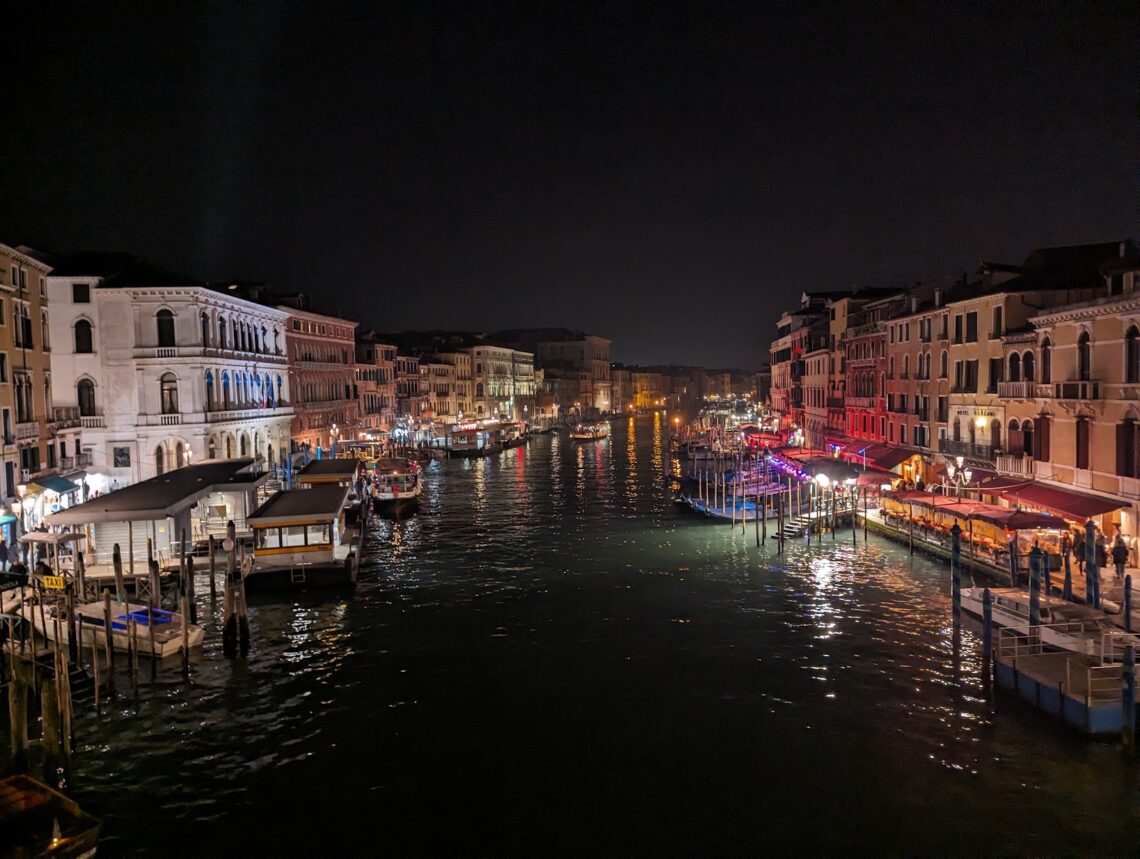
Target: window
[1132, 356]
[1014, 367]
[1084, 357]
[221, 332]
[958, 328]
[121, 456]
[159, 460]
[44, 331]
[995, 433]
[165, 322]
[971, 377]
[996, 365]
[205, 330]
[1127, 448]
[23, 280]
[80, 293]
[168, 386]
[3, 313]
[1027, 366]
[943, 365]
[83, 338]
[997, 331]
[43, 287]
[1046, 361]
[3, 366]
[972, 327]
[85, 395]
[1082, 442]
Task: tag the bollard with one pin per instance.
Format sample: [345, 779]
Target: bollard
[1128, 699]
[1128, 603]
[1067, 593]
[956, 573]
[1035, 587]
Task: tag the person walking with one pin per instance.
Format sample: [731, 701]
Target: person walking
[3, 555]
[1101, 550]
[1119, 557]
[1079, 550]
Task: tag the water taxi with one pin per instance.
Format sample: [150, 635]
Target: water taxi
[395, 486]
[302, 538]
[590, 432]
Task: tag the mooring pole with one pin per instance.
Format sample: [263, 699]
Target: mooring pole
[1128, 699]
[1035, 587]
[956, 573]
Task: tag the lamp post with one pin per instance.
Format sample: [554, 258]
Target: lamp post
[959, 477]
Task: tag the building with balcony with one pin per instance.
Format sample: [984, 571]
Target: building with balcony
[410, 398]
[464, 383]
[375, 384]
[577, 364]
[28, 445]
[162, 370]
[439, 384]
[322, 372]
[503, 381]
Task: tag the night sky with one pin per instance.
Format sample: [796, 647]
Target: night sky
[669, 180]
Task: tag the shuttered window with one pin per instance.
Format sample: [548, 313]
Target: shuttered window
[1082, 442]
[1041, 438]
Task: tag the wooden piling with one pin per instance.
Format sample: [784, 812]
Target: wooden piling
[185, 638]
[108, 633]
[762, 502]
[117, 564]
[81, 575]
[866, 491]
[94, 661]
[72, 630]
[191, 588]
[956, 573]
[18, 714]
[230, 624]
[1128, 700]
[133, 635]
[211, 547]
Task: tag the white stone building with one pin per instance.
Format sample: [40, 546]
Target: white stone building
[162, 371]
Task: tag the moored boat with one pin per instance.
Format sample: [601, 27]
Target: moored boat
[156, 630]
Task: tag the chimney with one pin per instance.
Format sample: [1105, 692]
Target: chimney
[914, 304]
[938, 296]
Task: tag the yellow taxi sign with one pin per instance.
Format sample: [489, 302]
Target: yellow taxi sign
[54, 583]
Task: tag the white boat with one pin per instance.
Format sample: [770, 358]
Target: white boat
[395, 485]
[164, 638]
[590, 432]
[1064, 625]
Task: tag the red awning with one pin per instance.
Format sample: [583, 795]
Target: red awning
[889, 457]
[1077, 506]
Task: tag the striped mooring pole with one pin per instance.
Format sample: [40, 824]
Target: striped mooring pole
[1068, 592]
[1128, 603]
[987, 625]
[1035, 587]
[956, 572]
[1128, 699]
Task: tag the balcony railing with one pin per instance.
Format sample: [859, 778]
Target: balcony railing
[26, 430]
[1015, 463]
[1070, 391]
[860, 402]
[835, 402]
[92, 421]
[63, 417]
[922, 414]
[1016, 390]
[74, 463]
[965, 448]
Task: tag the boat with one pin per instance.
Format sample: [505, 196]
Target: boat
[36, 820]
[1064, 625]
[395, 486]
[589, 432]
[302, 539]
[157, 631]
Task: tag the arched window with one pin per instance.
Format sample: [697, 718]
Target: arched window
[212, 450]
[891, 366]
[159, 460]
[205, 330]
[83, 340]
[479, 390]
[995, 433]
[226, 389]
[270, 400]
[906, 366]
[179, 455]
[1015, 443]
[1132, 355]
[221, 332]
[943, 365]
[1027, 366]
[209, 390]
[1084, 357]
[85, 395]
[1027, 437]
[244, 442]
[44, 330]
[229, 447]
[1014, 367]
[169, 388]
[165, 321]
[279, 400]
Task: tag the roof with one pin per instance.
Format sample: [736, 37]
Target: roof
[163, 496]
[292, 506]
[333, 467]
[116, 268]
[55, 483]
[1066, 502]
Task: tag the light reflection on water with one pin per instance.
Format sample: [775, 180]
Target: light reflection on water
[549, 656]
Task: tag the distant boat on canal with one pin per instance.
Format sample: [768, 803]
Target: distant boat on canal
[590, 432]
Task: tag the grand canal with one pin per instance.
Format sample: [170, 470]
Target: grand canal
[551, 659]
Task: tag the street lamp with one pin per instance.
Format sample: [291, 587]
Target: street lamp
[959, 477]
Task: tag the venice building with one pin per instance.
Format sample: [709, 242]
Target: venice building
[157, 370]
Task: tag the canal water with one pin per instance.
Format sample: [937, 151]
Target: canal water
[550, 659]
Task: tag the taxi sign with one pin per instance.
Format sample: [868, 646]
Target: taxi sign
[54, 583]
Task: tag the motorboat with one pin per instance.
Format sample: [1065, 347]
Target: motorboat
[395, 486]
[156, 630]
[590, 432]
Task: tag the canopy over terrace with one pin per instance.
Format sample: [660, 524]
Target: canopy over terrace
[162, 504]
[338, 472]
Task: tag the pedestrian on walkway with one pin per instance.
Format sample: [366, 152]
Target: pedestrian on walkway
[1119, 557]
[3, 555]
[1101, 550]
[1079, 550]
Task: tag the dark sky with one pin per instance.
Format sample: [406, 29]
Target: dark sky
[668, 179]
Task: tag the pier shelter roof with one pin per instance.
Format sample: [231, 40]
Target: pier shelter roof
[166, 495]
[321, 503]
[339, 470]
